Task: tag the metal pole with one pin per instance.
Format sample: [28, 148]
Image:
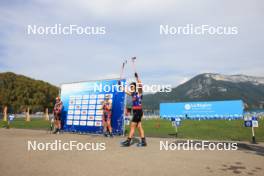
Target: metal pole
[176, 129]
[253, 136]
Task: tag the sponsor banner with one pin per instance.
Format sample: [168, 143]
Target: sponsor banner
[82, 106]
[203, 110]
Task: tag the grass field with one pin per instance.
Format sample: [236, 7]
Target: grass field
[205, 129]
[33, 124]
[190, 129]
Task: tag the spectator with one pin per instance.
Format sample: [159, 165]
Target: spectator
[57, 115]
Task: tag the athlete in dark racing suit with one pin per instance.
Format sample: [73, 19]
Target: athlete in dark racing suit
[136, 92]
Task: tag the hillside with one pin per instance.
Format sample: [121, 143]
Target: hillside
[18, 92]
[209, 86]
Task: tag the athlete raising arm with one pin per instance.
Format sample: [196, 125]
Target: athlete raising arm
[136, 92]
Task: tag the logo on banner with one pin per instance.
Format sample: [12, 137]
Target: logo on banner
[187, 107]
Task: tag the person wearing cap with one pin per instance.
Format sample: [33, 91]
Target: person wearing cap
[57, 115]
[107, 113]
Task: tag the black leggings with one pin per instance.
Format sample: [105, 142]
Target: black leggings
[137, 116]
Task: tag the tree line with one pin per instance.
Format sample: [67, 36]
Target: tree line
[19, 92]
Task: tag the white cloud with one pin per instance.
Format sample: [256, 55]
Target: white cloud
[132, 30]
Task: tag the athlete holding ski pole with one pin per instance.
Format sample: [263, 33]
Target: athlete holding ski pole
[136, 92]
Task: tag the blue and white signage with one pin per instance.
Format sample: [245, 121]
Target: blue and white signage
[203, 110]
[82, 106]
[250, 121]
[175, 122]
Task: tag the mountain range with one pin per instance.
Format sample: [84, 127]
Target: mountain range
[18, 91]
[213, 87]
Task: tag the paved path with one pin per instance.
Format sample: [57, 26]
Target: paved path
[16, 160]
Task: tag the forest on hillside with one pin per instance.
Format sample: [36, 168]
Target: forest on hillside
[19, 92]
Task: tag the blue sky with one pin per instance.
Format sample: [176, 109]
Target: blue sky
[132, 29]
